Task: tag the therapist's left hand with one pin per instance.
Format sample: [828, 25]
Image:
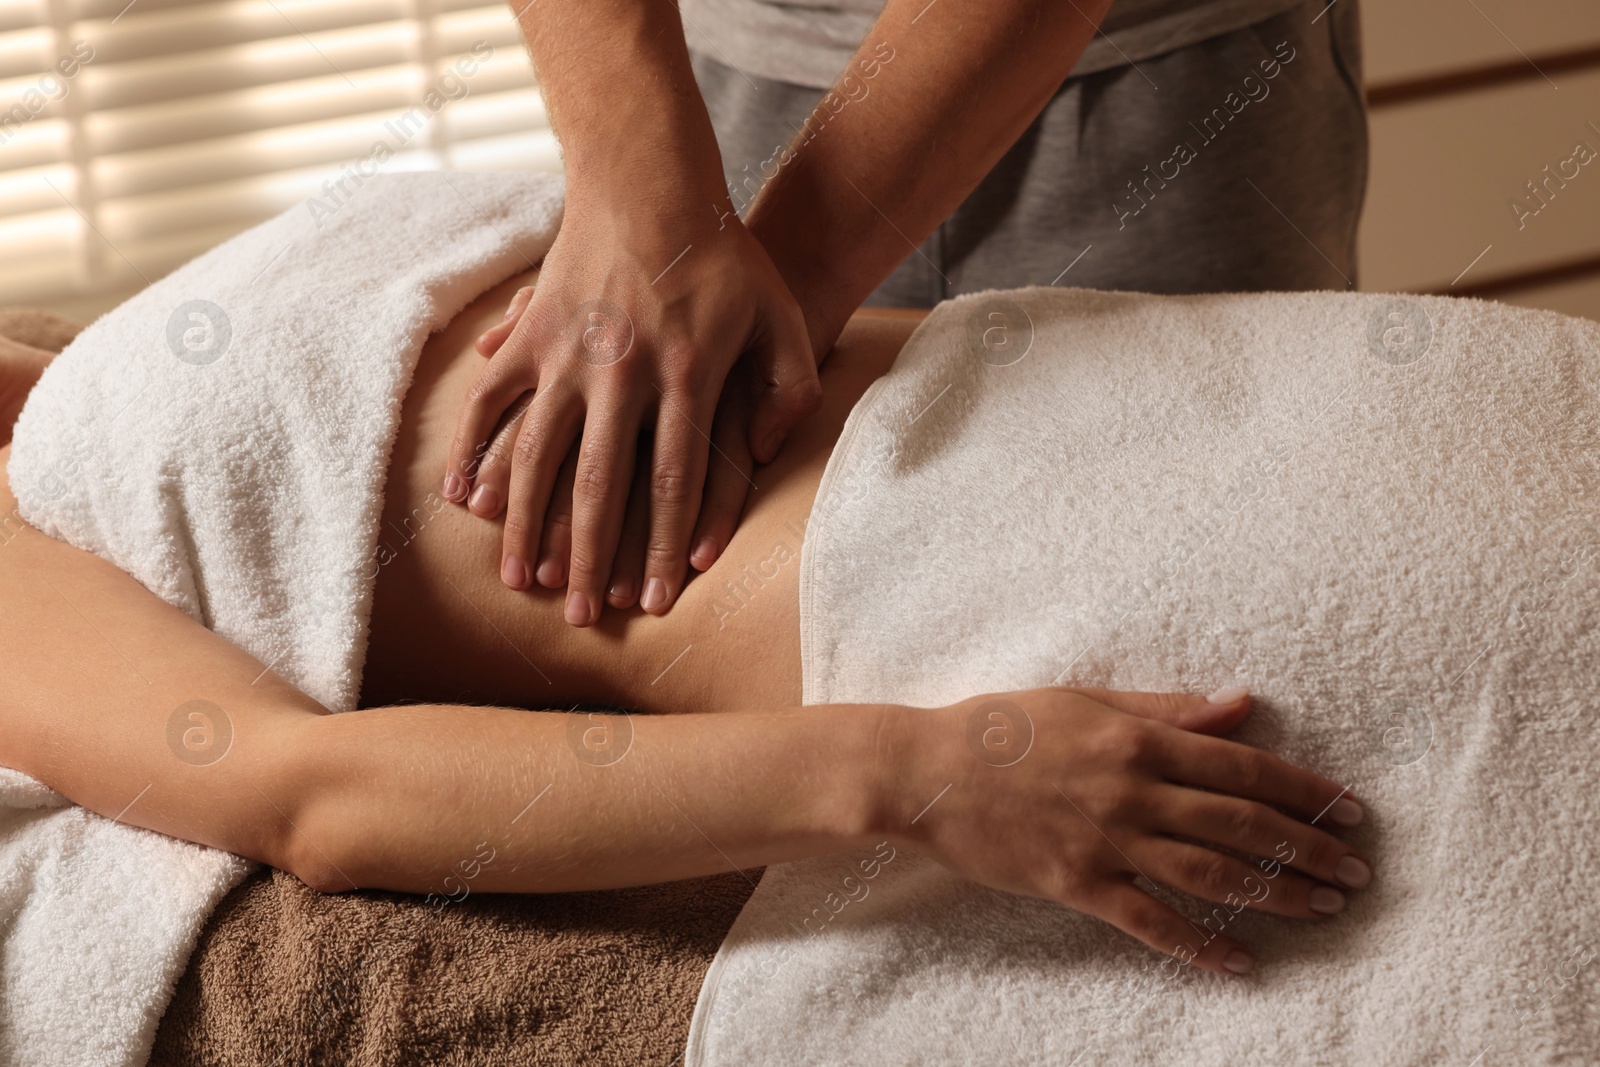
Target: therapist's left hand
[728, 482]
[636, 320]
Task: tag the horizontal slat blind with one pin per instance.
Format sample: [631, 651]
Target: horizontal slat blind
[135, 135]
[1405, 39]
[1448, 176]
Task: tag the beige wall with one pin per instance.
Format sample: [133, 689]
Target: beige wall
[1446, 168]
[1409, 38]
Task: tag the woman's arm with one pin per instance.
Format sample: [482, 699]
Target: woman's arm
[98, 668]
[130, 708]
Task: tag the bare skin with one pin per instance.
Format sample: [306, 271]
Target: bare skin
[414, 797]
[652, 252]
[20, 367]
[440, 645]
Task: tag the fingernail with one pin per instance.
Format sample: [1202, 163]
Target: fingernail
[1345, 812]
[1352, 872]
[1229, 695]
[655, 595]
[1326, 901]
[704, 554]
[549, 574]
[770, 446]
[455, 487]
[1238, 961]
[578, 612]
[509, 309]
[621, 591]
[484, 501]
[514, 572]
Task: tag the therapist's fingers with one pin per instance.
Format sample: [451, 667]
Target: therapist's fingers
[627, 567]
[490, 340]
[549, 428]
[493, 475]
[677, 481]
[728, 475]
[788, 371]
[555, 544]
[496, 388]
[599, 498]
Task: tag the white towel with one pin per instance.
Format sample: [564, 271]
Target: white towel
[1380, 514]
[223, 437]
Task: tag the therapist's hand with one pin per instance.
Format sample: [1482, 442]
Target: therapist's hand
[647, 298]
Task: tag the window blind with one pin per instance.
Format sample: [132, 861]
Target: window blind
[135, 135]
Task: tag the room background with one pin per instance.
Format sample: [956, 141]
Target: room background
[134, 135]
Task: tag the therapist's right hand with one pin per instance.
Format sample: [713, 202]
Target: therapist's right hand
[651, 292]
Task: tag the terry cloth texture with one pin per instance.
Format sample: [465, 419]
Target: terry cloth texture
[223, 437]
[283, 975]
[1235, 164]
[1380, 514]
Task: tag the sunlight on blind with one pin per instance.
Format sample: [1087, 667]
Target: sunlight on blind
[133, 136]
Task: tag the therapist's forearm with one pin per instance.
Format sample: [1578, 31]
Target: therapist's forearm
[859, 188]
[622, 100]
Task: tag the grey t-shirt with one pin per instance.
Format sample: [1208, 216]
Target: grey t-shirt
[808, 42]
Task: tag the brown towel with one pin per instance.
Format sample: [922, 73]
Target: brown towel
[285, 976]
[36, 328]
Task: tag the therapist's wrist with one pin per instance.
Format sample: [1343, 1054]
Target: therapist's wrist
[826, 272]
[660, 176]
[621, 95]
[825, 301]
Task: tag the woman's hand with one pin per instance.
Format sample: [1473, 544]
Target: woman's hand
[1074, 794]
[645, 303]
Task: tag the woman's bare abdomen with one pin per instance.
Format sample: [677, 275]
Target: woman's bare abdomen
[446, 630]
